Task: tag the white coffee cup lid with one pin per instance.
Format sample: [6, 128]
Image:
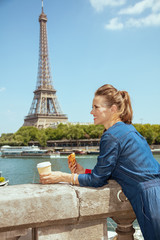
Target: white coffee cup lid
[43, 164]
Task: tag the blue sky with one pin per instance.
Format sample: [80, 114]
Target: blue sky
[91, 42]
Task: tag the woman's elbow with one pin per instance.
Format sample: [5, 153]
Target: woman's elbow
[98, 182]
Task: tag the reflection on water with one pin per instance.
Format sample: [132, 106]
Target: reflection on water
[23, 170]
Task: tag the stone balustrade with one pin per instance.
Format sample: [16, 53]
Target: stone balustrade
[63, 212]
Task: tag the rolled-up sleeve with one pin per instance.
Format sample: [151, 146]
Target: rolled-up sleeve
[106, 162]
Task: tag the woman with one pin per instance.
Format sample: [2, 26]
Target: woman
[125, 157]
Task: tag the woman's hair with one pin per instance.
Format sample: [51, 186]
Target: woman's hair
[119, 98]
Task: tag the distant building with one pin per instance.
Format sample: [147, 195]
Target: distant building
[81, 123]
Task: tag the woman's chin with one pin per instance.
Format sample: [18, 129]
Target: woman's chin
[95, 122]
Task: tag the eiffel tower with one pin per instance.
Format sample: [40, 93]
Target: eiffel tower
[45, 110]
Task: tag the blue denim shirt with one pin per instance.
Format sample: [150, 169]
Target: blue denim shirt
[125, 157]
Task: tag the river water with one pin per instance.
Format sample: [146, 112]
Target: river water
[24, 170]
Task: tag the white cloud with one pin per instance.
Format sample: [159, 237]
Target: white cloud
[138, 8]
[146, 13]
[100, 4]
[2, 89]
[156, 6]
[151, 20]
[114, 24]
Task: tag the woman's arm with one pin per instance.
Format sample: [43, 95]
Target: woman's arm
[106, 162]
[57, 176]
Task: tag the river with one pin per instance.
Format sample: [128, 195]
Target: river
[23, 171]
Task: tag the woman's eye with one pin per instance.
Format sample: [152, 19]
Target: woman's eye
[96, 106]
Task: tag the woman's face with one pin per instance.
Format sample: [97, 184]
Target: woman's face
[101, 113]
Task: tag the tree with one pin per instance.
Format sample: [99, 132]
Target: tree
[42, 138]
[75, 132]
[69, 131]
[149, 135]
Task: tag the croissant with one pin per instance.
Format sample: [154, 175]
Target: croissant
[72, 159]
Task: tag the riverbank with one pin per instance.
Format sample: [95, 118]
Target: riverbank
[86, 146]
[80, 147]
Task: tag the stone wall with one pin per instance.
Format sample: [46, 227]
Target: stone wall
[62, 212]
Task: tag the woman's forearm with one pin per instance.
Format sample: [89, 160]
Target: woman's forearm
[56, 177]
[70, 178]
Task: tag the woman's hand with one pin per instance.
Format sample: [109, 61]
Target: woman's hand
[76, 168]
[52, 177]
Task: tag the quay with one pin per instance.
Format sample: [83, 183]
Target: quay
[62, 211]
[89, 146]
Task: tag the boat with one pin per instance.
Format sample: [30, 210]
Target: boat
[77, 152]
[80, 152]
[155, 150]
[92, 152]
[27, 151]
[3, 181]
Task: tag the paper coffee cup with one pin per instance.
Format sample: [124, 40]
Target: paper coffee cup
[44, 167]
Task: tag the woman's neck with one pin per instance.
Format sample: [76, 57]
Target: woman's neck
[113, 122]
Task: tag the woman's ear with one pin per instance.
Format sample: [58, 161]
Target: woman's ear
[113, 108]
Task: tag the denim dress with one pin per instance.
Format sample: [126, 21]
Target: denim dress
[126, 157]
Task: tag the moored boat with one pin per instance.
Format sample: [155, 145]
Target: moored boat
[3, 181]
[29, 151]
[155, 150]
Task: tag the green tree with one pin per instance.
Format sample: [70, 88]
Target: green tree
[149, 135]
[42, 138]
[69, 131]
[33, 133]
[50, 133]
[75, 132]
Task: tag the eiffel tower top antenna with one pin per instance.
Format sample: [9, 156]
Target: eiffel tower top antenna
[42, 5]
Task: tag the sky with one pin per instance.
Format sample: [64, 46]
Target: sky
[91, 43]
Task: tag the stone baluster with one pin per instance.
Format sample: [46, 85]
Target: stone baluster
[13, 234]
[124, 228]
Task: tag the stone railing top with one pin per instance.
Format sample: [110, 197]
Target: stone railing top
[32, 205]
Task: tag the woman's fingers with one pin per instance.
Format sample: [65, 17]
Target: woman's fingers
[72, 167]
[46, 181]
[45, 178]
